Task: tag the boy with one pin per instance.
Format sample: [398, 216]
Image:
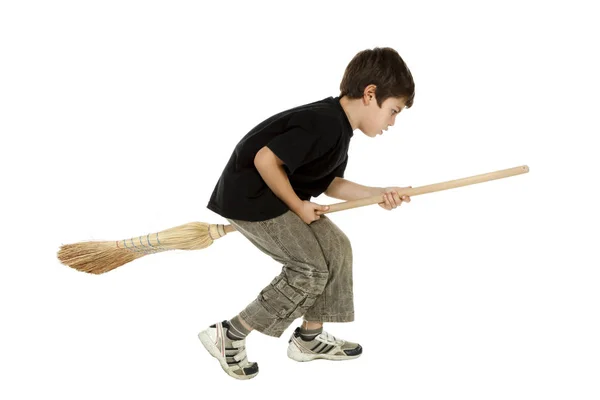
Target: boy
[265, 191]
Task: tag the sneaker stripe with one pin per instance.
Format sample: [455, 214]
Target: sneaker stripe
[221, 339]
[318, 344]
[326, 349]
[217, 339]
[320, 350]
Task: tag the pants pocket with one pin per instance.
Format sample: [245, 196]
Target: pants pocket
[280, 299]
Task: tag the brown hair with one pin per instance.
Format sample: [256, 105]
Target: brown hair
[382, 67]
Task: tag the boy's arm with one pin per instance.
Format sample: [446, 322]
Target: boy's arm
[344, 189]
[270, 168]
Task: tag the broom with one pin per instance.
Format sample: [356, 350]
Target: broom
[97, 257]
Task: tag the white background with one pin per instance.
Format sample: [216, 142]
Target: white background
[117, 118]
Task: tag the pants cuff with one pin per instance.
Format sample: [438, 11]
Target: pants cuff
[275, 329]
[330, 318]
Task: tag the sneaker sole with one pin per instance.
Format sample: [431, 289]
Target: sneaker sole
[303, 357]
[214, 351]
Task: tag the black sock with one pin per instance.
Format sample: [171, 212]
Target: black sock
[236, 331]
[309, 334]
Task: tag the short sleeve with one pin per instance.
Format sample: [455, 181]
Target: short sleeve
[298, 147]
[326, 182]
[340, 170]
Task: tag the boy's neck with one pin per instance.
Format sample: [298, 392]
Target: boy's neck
[353, 109]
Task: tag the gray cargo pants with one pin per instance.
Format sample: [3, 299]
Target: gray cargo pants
[316, 278]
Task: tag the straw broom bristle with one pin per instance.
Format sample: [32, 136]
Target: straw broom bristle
[97, 257]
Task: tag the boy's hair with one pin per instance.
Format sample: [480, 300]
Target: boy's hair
[382, 67]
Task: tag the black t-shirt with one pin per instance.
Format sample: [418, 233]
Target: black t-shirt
[312, 140]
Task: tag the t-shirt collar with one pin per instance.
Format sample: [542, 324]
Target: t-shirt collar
[345, 120]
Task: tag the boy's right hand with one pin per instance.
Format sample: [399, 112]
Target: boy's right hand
[310, 212]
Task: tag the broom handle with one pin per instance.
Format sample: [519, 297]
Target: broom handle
[436, 187]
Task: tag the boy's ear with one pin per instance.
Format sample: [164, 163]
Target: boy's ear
[369, 94]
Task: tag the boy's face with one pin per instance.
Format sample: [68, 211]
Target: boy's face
[379, 119]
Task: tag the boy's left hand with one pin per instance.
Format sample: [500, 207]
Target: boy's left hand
[391, 198]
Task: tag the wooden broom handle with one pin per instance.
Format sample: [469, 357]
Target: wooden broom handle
[436, 187]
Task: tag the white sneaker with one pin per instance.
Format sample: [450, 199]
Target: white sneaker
[324, 346]
[230, 353]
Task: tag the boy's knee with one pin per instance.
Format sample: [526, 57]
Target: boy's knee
[339, 253]
[345, 245]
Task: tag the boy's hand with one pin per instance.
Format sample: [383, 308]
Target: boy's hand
[392, 199]
[310, 212]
